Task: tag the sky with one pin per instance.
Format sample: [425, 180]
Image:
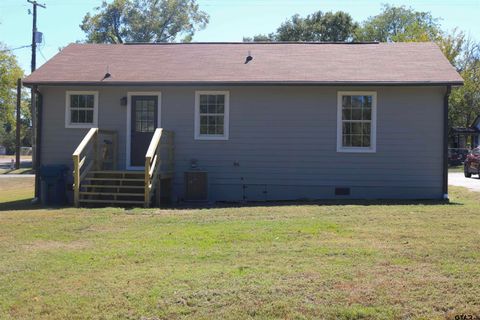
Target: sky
[230, 20]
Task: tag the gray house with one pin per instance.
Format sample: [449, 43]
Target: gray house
[246, 121]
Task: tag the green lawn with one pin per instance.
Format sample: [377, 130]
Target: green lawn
[357, 261]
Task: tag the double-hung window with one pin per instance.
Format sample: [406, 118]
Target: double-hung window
[211, 115]
[81, 109]
[356, 121]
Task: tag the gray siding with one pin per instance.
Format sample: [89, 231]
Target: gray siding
[284, 139]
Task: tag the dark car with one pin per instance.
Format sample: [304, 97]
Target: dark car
[472, 163]
[456, 156]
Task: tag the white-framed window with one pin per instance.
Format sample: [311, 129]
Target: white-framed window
[212, 115]
[81, 109]
[356, 121]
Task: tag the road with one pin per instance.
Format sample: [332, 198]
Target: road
[459, 180]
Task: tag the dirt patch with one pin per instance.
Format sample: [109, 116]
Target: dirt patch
[45, 245]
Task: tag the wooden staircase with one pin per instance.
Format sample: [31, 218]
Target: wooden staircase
[100, 188]
[98, 183]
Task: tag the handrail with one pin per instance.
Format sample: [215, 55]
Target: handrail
[78, 164]
[84, 158]
[154, 161]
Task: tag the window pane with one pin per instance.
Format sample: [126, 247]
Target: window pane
[203, 108]
[356, 128]
[89, 101]
[203, 99]
[219, 120]
[89, 116]
[221, 99]
[74, 116]
[347, 101]
[347, 140]
[203, 129]
[366, 129]
[211, 129]
[212, 120]
[212, 99]
[356, 114]
[356, 140]
[367, 102]
[367, 114]
[74, 101]
[347, 128]
[212, 108]
[203, 120]
[366, 141]
[347, 114]
[82, 118]
[357, 101]
[81, 101]
[220, 129]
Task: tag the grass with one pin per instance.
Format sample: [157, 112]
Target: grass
[356, 261]
[456, 168]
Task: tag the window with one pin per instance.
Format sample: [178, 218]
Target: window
[81, 109]
[356, 121]
[211, 115]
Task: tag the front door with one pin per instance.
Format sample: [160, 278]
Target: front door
[144, 121]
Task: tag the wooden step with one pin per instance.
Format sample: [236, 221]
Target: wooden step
[114, 179]
[111, 201]
[110, 186]
[117, 172]
[121, 194]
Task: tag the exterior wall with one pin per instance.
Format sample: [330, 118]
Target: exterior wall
[284, 140]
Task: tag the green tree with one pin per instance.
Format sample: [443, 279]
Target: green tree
[465, 100]
[399, 24]
[10, 71]
[319, 26]
[144, 21]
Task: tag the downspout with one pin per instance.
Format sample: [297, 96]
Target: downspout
[38, 150]
[445, 142]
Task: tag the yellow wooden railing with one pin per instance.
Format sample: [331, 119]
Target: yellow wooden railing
[87, 156]
[159, 162]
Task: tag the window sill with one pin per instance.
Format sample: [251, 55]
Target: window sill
[356, 150]
[200, 137]
[81, 126]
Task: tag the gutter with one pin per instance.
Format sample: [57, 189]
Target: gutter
[28, 83]
[445, 142]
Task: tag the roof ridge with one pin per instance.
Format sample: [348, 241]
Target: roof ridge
[250, 43]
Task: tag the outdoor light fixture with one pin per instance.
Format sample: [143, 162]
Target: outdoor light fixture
[123, 101]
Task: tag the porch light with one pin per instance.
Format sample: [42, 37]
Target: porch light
[123, 101]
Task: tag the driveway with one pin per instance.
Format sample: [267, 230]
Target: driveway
[459, 180]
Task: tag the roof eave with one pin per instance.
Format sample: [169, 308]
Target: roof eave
[242, 83]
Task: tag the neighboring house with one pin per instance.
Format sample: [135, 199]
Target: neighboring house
[248, 121]
[466, 137]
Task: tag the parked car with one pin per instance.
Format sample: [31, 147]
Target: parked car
[457, 156]
[472, 163]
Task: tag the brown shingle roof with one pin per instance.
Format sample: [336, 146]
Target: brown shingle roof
[290, 63]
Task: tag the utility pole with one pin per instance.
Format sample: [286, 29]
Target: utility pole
[33, 97]
[34, 32]
[17, 131]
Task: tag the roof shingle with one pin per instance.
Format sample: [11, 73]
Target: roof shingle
[273, 63]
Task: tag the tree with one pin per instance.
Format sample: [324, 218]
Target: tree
[144, 21]
[10, 71]
[465, 100]
[319, 26]
[399, 24]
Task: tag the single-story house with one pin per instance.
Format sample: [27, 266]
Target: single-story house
[469, 137]
[246, 121]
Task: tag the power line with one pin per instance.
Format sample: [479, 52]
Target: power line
[13, 49]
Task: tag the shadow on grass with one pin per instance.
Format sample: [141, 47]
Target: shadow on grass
[338, 202]
[25, 204]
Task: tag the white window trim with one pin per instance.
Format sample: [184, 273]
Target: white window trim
[68, 123]
[158, 94]
[373, 129]
[226, 120]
